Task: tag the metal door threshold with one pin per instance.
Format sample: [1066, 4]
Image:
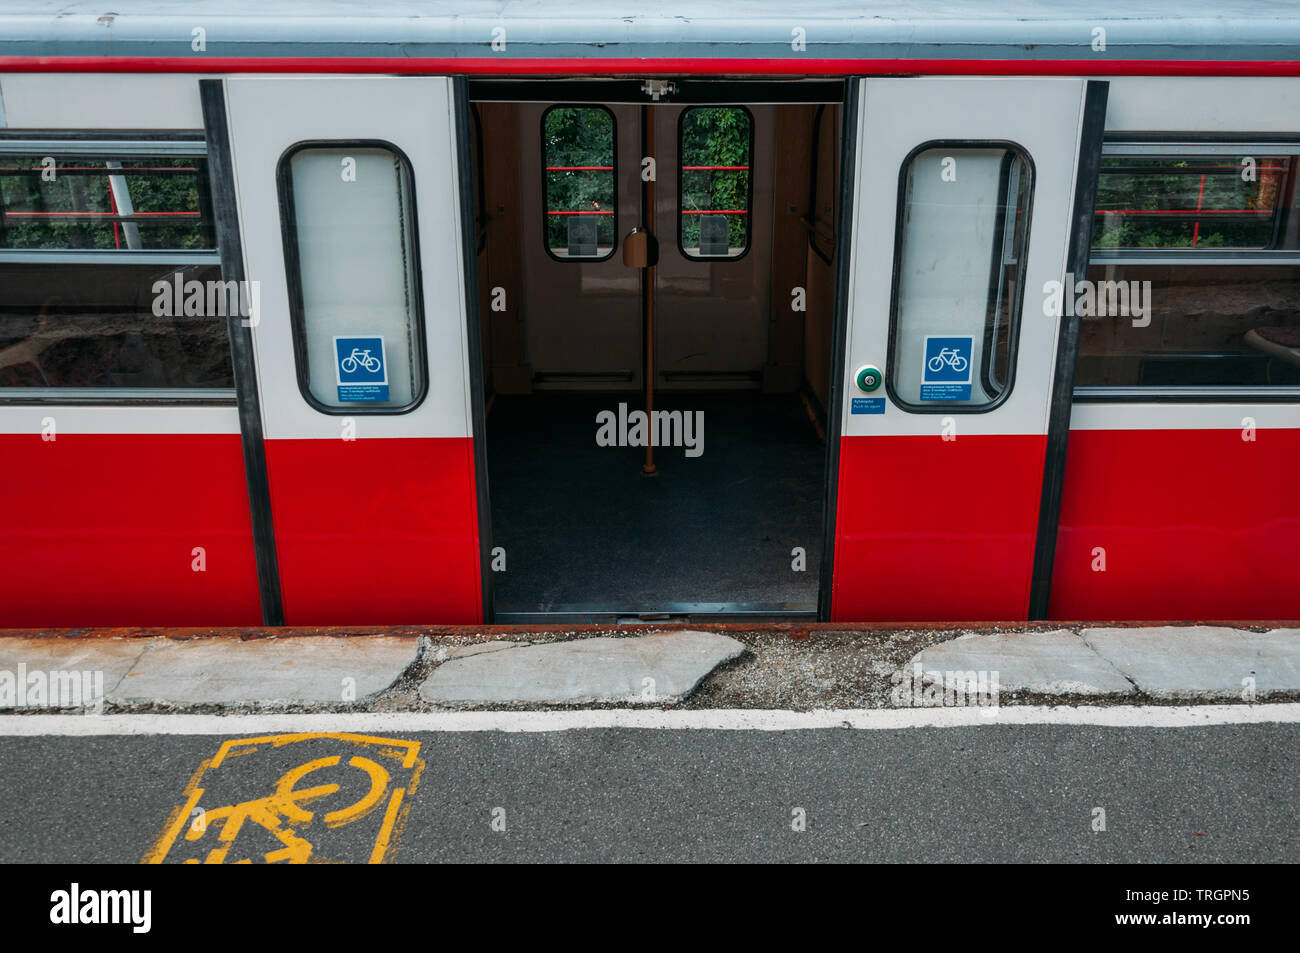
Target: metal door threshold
[591, 613]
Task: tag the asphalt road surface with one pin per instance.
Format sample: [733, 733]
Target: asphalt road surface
[990, 793]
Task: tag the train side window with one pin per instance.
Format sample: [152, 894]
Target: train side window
[1194, 279]
[120, 203]
[348, 214]
[578, 152]
[1190, 203]
[960, 243]
[112, 281]
[715, 184]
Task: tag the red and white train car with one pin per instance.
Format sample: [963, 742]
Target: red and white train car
[453, 313]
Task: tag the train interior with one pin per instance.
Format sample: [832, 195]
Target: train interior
[720, 252]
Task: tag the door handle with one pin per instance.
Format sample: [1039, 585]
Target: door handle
[640, 249]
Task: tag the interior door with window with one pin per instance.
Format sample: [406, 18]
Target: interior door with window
[578, 194]
[963, 206]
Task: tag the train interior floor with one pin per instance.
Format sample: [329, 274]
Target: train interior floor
[583, 529]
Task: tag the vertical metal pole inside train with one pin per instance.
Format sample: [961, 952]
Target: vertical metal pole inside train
[648, 285]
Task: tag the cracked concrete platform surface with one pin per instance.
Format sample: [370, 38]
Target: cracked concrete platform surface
[1160, 661]
[1202, 661]
[113, 657]
[584, 671]
[1046, 663]
[296, 671]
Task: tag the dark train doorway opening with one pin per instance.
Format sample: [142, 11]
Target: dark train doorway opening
[656, 272]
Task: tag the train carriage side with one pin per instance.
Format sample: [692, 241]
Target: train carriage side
[316, 349]
[1179, 494]
[121, 466]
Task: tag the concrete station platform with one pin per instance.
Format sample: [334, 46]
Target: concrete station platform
[724, 666]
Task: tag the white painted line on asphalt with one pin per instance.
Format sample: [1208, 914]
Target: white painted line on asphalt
[729, 719]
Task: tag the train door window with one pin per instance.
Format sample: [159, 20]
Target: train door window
[1194, 279]
[960, 242]
[715, 185]
[579, 182]
[112, 281]
[351, 257]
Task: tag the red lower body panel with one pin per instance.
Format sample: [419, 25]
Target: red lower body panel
[376, 531]
[1194, 524]
[100, 530]
[930, 530]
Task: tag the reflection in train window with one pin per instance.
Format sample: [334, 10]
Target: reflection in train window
[961, 241]
[1195, 277]
[351, 254]
[1183, 203]
[578, 152]
[1159, 326]
[100, 326]
[93, 202]
[716, 185]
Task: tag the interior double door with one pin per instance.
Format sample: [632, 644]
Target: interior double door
[607, 170]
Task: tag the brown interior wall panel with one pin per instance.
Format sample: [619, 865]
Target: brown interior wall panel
[817, 329]
[791, 157]
[509, 372]
[820, 275]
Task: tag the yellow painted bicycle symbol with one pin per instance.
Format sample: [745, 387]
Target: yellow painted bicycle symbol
[294, 823]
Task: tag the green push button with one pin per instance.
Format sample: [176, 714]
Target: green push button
[868, 379]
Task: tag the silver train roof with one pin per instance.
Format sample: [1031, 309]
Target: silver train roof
[834, 29]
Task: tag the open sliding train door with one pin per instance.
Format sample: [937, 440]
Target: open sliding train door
[349, 195]
[973, 200]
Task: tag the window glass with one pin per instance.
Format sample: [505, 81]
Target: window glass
[715, 185]
[92, 202]
[578, 150]
[961, 244]
[99, 326]
[1186, 203]
[350, 253]
[110, 275]
[1200, 326]
[1192, 283]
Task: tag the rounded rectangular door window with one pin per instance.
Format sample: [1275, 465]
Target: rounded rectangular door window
[578, 151]
[715, 182]
[351, 257]
[959, 257]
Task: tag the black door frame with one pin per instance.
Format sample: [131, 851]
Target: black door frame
[1088, 169]
[225, 207]
[844, 92]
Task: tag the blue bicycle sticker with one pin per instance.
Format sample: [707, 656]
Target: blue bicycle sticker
[946, 373]
[361, 369]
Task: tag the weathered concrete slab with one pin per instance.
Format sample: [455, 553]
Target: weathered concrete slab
[1047, 663]
[583, 671]
[297, 671]
[107, 661]
[1202, 661]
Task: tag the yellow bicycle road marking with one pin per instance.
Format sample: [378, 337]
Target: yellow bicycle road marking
[285, 804]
